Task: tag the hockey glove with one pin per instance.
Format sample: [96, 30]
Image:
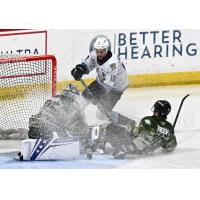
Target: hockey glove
[170, 144]
[78, 71]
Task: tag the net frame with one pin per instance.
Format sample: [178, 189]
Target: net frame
[21, 133]
[34, 58]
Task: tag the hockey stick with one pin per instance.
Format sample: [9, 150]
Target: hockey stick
[89, 151]
[100, 107]
[179, 109]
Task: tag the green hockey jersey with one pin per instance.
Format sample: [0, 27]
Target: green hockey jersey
[157, 133]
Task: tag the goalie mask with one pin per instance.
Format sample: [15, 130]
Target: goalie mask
[71, 91]
[162, 108]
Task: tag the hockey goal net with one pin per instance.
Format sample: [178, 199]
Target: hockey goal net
[25, 84]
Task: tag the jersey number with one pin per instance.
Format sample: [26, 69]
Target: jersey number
[112, 78]
[162, 130]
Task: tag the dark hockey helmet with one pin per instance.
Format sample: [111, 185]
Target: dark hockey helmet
[162, 107]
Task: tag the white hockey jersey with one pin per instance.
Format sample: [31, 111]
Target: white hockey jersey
[111, 75]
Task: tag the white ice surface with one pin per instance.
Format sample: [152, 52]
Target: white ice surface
[137, 103]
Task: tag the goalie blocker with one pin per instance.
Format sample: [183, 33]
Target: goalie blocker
[50, 149]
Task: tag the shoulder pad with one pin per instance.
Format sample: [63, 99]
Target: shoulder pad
[146, 121]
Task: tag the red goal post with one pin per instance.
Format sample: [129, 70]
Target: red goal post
[29, 59]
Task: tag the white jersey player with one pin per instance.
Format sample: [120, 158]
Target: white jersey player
[110, 83]
[111, 72]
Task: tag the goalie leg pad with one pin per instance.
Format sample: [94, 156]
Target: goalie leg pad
[51, 149]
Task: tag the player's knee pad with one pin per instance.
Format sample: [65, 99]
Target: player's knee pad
[101, 115]
[83, 102]
[141, 144]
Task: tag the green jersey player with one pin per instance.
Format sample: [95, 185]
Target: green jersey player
[154, 132]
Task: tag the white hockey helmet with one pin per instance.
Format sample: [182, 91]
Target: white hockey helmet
[101, 43]
[71, 91]
[95, 44]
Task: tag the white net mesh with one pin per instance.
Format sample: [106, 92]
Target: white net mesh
[25, 84]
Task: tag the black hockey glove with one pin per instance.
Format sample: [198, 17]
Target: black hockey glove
[78, 71]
